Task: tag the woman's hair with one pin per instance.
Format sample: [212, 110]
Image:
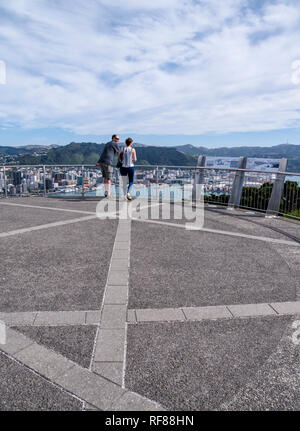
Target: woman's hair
[128, 141]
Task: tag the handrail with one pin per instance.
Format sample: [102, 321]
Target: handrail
[159, 166]
[280, 199]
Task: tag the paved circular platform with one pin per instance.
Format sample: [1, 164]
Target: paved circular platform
[144, 314]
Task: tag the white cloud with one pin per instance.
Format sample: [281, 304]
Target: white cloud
[296, 72]
[2, 73]
[157, 67]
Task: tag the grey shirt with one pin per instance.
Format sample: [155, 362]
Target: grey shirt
[108, 154]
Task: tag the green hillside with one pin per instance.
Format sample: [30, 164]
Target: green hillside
[185, 155]
[88, 153]
[291, 152]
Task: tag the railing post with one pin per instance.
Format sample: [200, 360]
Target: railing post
[199, 176]
[237, 186]
[156, 182]
[5, 185]
[44, 180]
[274, 202]
[82, 181]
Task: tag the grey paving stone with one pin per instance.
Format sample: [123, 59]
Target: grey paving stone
[43, 360]
[113, 316]
[118, 278]
[156, 315]
[213, 312]
[93, 317]
[286, 307]
[15, 342]
[20, 318]
[120, 254]
[116, 295]
[131, 316]
[110, 345]
[90, 387]
[134, 402]
[119, 264]
[110, 370]
[60, 318]
[121, 245]
[124, 226]
[123, 236]
[241, 310]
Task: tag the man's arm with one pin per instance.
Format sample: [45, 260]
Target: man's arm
[116, 147]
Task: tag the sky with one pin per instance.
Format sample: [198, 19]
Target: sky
[162, 71]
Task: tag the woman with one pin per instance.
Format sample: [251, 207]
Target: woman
[127, 156]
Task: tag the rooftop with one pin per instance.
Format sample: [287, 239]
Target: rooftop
[144, 314]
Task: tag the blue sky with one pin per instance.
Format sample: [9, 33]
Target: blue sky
[164, 72]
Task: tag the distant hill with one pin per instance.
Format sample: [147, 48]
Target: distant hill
[283, 150]
[89, 152]
[26, 149]
[291, 152]
[8, 151]
[39, 147]
[184, 155]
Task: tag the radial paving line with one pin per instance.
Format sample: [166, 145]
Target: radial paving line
[47, 208]
[85, 385]
[213, 312]
[46, 226]
[221, 232]
[51, 318]
[13, 359]
[110, 347]
[116, 295]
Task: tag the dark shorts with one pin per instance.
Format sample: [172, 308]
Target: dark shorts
[107, 170]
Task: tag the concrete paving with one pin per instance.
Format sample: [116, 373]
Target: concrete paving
[51, 318]
[198, 268]
[199, 365]
[75, 342]
[34, 393]
[62, 268]
[120, 315]
[18, 217]
[212, 312]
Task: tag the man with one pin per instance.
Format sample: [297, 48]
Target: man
[106, 162]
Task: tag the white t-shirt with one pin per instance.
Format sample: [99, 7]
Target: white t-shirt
[127, 158]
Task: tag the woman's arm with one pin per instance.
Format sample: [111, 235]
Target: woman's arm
[134, 159]
[119, 153]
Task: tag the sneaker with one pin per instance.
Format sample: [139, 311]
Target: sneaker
[129, 198]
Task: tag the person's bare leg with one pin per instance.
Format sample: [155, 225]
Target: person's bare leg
[105, 186]
[108, 187]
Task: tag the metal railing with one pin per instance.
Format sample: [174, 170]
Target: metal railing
[219, 185]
